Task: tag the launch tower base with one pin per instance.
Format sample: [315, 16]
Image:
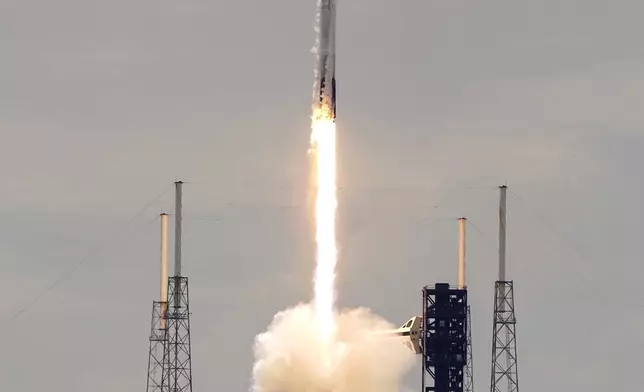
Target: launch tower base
[444, 338]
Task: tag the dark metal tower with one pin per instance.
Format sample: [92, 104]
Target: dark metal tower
[444, 338]
[504, 377]
[504, 348]
[469, 366]
[158, 338]
[177, 359]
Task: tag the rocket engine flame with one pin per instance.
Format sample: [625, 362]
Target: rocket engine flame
[323, 142]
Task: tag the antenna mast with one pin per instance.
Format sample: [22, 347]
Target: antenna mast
[178, 227]
[504, 349]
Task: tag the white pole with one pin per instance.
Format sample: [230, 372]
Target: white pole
[164, 267]
[461, 253]
[502, 223]
[164, 257]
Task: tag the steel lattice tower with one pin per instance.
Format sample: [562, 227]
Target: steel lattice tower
[158, 338]
[177, 360]
[504, 377]
[504, 348]
[469, 365]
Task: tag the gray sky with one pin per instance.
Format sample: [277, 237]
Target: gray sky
[104, 103]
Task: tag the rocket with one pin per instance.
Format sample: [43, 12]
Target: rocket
[325, 85]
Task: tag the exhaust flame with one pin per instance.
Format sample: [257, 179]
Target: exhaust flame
[313, 347]
[323, 146]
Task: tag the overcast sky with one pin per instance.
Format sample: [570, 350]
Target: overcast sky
[103, 104]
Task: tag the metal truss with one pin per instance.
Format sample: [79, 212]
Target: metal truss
[504, 376]
[177, 361]
[469, 366]
[158, 338]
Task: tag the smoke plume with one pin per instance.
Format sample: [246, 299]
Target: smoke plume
[288, 356]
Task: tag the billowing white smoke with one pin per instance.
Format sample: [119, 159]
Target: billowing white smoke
[288, 355]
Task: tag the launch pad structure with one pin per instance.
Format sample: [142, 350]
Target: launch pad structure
[445, 337]
[170, 356]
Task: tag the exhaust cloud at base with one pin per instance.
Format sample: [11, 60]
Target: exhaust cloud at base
[287, 355]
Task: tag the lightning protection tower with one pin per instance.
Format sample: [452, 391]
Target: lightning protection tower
[177, 359]
[158, 332]
[504, 349]
[469, 372]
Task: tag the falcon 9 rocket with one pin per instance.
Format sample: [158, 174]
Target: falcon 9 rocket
[325, 85]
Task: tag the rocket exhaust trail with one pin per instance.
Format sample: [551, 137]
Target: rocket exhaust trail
[313, 347]
[323, 145]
